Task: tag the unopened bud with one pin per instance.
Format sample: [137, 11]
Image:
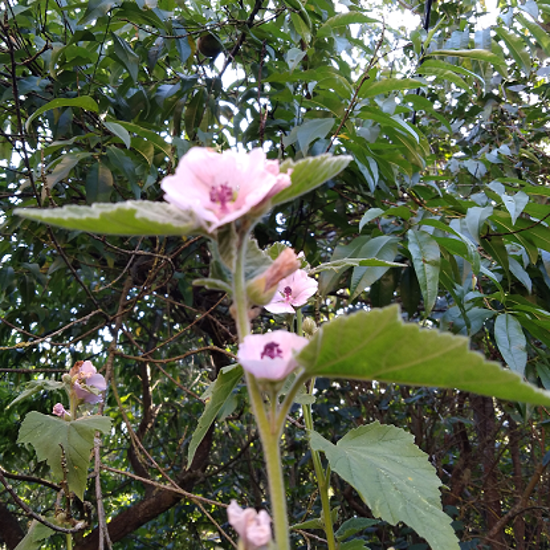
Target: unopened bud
[309, 326]
[262, 288]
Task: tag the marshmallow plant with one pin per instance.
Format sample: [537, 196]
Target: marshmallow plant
[222, 196]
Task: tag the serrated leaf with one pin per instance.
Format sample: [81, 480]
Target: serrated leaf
[122, 218]
[36, 386]
[426, 258]
[309, 173]
[84, 102]
[511, 342]
[221, 390]
[47, 434]
[394, 478]
[362, 346]
[35, 535]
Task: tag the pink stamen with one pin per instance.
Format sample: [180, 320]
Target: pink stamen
[221, 194]
[272, 350]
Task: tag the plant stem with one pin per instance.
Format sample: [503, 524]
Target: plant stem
[69, 541]
[299, 319]
[323, 478]
[270, 430]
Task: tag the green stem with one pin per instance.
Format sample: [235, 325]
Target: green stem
[270, 431]
[299, 319]
[69, 542]
[323, 478]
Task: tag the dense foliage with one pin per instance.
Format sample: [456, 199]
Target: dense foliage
[447, 125]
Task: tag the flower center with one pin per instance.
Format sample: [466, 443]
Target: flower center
[272, 350]
[287, 292]
[221, 194]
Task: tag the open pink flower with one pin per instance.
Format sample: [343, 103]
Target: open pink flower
[271, 355]
[293, 291]
[254, 528]
[88, 383]
[219, 188]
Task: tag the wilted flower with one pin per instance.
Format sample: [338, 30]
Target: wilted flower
[88, 384]
[263, 287]
[254, 528]
[293, 291]
[59, 410]
[271, 355]
[219, 188]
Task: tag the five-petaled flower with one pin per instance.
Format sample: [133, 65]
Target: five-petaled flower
[87, 383]
[220, 188]
[253, 528]
[270, 356]
[292, 292]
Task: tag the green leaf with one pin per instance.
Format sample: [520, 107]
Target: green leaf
[119, 131]
[63, 168]
[121, 218]
[516, 46]
[540, 35]
[84, 102]
[426, 258]
[337, 265]
[497, 249]
[394, 478]
[37, 386]
[515, 204]
[194, 112]
[362, 346]
[309, 173]
[511, 342]
[341, 21]
[99, 183]
[47, 434]
[383, 248]
[149, 135]
[476, 218]
[219, 393]
[308, 132]
[370, 214]
[35, 535]
[126, 56]
[353, 526]
[409, 291]
[389, 85]
[477, 54]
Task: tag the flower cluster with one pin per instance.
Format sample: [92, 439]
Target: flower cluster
[253, 528]
[87, 383]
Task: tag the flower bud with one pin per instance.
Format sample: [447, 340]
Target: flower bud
[253, 528]
[262, 288]
[309, 326]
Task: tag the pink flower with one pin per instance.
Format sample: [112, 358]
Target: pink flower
[219, 188]
[87, 383]
[254, 528]
[271, 355]
[59, 410]
[292, 291]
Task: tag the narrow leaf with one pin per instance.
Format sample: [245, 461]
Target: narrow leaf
[426, 258]
[84, 102]
[362, 346]
[511, 342]
[221, 390]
